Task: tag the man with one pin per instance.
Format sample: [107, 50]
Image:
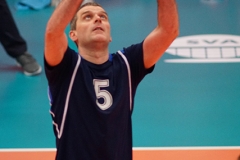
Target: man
[92, 92]
[14, 44]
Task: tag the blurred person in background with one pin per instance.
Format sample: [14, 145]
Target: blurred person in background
[13, 43]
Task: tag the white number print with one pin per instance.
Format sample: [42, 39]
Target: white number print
[101, 93]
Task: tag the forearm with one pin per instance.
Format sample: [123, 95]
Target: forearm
[55, 37]
[163, 35]
[168, 15]
[62, 15]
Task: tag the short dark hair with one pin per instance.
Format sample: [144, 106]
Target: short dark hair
[74, 20]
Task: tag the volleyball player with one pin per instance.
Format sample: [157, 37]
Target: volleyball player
[91, 91]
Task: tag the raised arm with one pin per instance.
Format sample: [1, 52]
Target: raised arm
[163, 35]
[55, 38]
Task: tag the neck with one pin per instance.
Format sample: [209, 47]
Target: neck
[97, 54]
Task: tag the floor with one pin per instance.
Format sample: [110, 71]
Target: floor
[188, 108]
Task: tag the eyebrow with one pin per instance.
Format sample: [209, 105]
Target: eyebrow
[86, 12]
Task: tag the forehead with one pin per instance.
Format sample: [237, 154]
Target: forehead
[93, 9]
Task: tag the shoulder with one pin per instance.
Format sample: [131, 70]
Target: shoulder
[134, 48]
[130, 52]
[65, 67]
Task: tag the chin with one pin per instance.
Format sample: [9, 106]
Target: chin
[100, 39]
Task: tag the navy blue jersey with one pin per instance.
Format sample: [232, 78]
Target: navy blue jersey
[91, 104]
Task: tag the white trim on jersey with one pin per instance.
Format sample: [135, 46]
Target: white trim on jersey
[68, 96]
[129, 77]
[70, 89]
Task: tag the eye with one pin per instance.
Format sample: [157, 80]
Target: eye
[103, 16]
[87, 17]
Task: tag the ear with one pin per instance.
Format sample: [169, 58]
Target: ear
[73, 35]
[110, 40]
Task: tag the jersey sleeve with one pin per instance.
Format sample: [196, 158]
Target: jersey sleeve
[57, 73]
[134, 55]
[59, 77]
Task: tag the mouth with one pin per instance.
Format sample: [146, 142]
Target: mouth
[98, 28]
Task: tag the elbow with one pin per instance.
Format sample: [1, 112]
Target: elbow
[53, 29]
[53, 32]
[49, 36]
[172, 29]
[172, 32]
[175, 33]
[49, 31]
[176, 29]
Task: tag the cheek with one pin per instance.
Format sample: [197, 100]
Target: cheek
[81, 27]
[81, 32]
[108, 29]
[109, 32]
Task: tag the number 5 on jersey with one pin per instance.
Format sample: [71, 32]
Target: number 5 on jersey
[102, 93]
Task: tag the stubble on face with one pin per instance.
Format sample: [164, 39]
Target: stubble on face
[92, 26]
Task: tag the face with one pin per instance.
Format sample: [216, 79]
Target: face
[92, 26]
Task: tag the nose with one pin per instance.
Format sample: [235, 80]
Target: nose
[97, 18]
